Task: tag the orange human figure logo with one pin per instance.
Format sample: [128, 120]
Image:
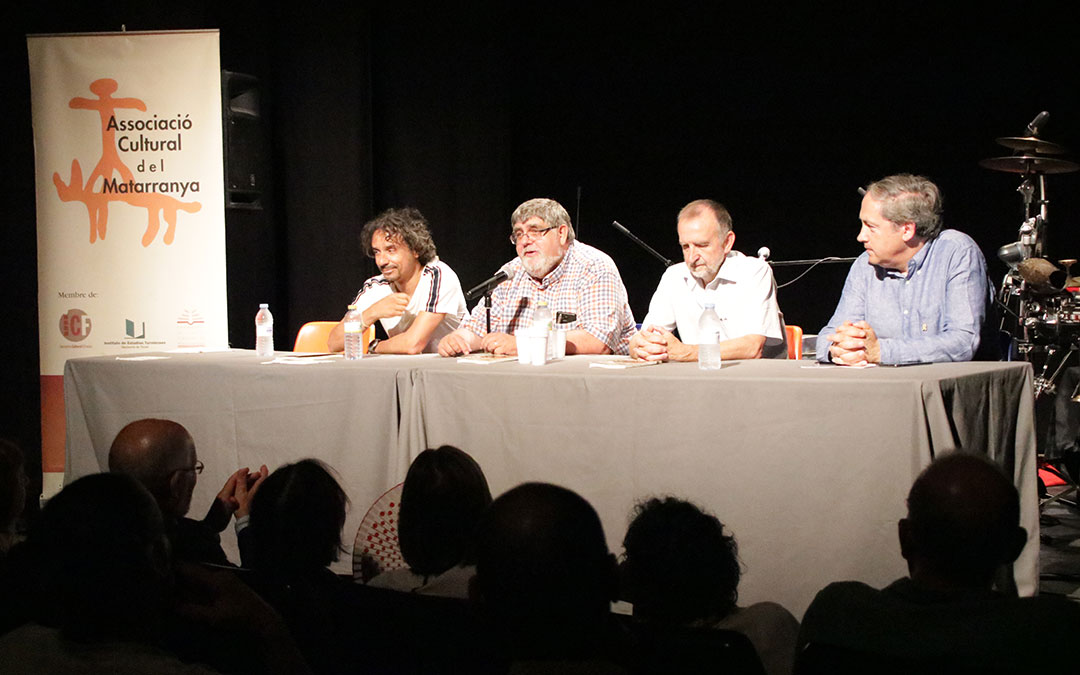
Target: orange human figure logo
[157, 205]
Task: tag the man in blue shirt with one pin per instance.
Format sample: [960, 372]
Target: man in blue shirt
[918, 294]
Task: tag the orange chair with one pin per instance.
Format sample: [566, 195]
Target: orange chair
[313, 336]
[794, 342]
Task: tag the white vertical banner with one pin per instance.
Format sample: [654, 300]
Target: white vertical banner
[130, 198]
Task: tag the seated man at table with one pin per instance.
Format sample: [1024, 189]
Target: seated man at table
[963, 522]
[160, 454]
[741, 288]
[919, 294]
[551, 266]
[417, 297]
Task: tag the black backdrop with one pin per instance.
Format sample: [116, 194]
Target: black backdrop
[466, 110]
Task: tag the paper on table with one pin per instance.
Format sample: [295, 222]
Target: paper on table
[624, 362]
[304, 360]
[485, 358]
[819, 364]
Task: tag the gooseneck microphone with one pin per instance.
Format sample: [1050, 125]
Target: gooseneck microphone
[485, 286]
[649, 249]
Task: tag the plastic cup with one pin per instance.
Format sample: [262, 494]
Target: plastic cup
[557, 342]
[538, 347]
[522, 343]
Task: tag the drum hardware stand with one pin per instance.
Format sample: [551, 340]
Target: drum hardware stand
[1048, 385]
[1041, 316]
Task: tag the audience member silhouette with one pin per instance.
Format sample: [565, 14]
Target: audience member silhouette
[293, 535]
[444, 494]
[13, 483]
[161, 455]
[296, 520]
[680, 568]
[962, 524]
[99, 567]
[545, 580]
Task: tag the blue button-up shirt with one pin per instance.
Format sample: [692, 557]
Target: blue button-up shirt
[933, 313]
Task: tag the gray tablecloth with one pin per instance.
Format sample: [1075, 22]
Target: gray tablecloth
[809, 466]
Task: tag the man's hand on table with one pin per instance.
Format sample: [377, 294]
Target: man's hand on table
[649, 344]
[854, 344]
[458, 343]
[499, 343]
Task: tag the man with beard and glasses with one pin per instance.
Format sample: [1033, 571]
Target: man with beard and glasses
[552, 267]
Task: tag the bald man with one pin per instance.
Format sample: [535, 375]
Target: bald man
[963, 523]
[161, 455]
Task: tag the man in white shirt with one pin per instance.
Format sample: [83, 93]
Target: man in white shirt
[741, 289]
[417, 297]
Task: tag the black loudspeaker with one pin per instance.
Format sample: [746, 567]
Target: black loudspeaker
[244, 139]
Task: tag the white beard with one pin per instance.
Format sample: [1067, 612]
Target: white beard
[539, 266]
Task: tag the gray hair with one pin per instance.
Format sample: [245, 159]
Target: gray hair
[719, 211]
[909, 199]
[547, 210]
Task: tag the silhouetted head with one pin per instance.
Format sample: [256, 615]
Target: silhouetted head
[544, 575]
[679, 565]
[963, 522]
[102, 559]
[160, 454]
[12, 490]
[296, 518]
[444, 494]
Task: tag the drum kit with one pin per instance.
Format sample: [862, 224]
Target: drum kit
[1039, 299]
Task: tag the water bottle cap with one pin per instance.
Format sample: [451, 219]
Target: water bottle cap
[263, 305]
[352, 307]
[709, 305]
[542, 303]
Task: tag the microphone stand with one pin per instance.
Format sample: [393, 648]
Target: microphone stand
[618, 226]
[487, 307]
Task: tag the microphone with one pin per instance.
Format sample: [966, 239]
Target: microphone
[764, 253]
[633, 238]
[1033, 125]
[485, 286]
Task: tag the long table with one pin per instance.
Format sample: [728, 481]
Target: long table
[808, 465]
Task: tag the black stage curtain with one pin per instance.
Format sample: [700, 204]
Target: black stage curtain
[465, 110]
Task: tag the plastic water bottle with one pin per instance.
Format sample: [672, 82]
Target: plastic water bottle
[710, 329]
[264, 332]
[354, 334]
[543, 323]
[542, 319]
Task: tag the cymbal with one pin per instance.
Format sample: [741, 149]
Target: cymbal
[1026, 143]
[1029, 164]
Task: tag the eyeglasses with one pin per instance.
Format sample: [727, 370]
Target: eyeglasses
[197, 468]
[529, 234]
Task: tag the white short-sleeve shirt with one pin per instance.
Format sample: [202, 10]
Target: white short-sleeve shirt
[743, 292]
[439, 292]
